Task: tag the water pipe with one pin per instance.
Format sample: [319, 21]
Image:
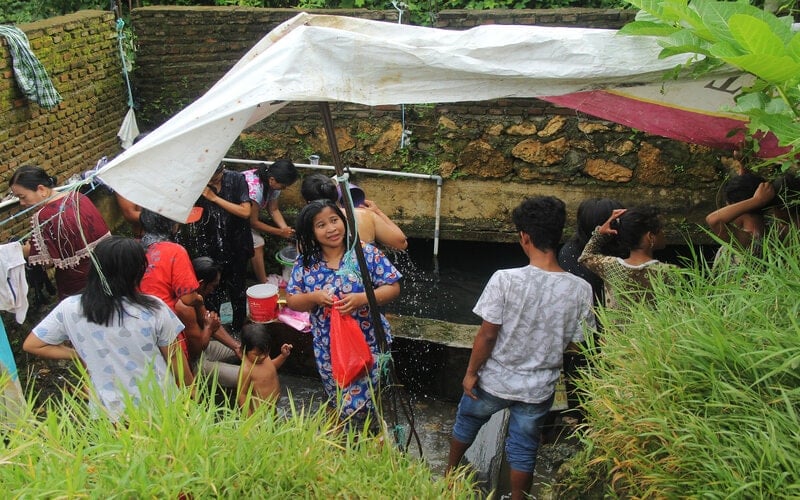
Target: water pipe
[392, 173]
[13, 200]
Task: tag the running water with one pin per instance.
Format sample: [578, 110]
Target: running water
[447, 287]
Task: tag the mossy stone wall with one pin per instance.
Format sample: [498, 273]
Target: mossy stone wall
[79, 52]
[507, 147]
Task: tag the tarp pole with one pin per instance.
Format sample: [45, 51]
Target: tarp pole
[380, 334]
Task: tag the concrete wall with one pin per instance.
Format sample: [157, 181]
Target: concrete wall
[79, 52]
[490, 153]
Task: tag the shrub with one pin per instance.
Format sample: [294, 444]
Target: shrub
[699, 396]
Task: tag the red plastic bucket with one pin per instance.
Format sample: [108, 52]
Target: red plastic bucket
[263, 302]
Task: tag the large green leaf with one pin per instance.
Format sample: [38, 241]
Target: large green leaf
[646, 28]
[656, 8]
[793, 47]
[688, 17]
[715, 16]
[684, 41]
[785, 129]
[755, 36]
[774, 69]
[727, 50]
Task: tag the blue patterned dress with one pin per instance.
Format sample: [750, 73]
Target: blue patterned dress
[356, 399]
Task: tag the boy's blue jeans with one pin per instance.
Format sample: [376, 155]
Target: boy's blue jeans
[524, 425]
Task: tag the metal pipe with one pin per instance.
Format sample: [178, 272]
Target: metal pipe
[391, 173]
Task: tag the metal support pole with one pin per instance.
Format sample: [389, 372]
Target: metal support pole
[380, 334]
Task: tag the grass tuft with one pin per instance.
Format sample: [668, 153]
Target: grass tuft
[698, 396]
[192, 448]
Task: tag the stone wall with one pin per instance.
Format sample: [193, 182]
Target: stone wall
[79, 52]
[491, 153]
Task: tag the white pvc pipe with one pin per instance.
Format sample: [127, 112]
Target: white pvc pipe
[392, 173]
[13, 200]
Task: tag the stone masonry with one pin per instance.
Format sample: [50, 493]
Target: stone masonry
[490, 154]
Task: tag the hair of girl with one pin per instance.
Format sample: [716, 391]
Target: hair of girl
[119, 264]
[307, 245]
[31, 177]
[741, 187]
[282, 170]
[318, 186]
[634, 224]
[255, 336]
[205, 269]
[592, 212]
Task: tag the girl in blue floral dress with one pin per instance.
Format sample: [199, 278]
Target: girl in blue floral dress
[326, 275]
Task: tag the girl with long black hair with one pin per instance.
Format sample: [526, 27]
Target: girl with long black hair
[119, 333]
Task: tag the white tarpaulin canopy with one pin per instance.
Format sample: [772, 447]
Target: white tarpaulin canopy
[332, 58]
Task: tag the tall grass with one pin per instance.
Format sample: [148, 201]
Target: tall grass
[699, 395]
[190, 448]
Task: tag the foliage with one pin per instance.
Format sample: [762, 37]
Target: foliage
[25, 11]
[191, 448]
[698, 396]
[743, 36]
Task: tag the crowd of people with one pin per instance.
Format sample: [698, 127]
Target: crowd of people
[190, 268]
[129, 304]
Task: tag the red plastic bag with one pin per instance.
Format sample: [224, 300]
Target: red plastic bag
[350, 354]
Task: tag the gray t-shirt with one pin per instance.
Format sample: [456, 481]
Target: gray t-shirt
[539, 313]
[117, 357]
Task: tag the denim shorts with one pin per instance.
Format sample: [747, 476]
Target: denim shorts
[524, 425]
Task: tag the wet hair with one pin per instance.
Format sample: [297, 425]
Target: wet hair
[255, 336]
[592, 212]
[307, 245]
[318, 186]
[205, 269]
[634, 224]
[283, 171]
[31, 177]
[542, 219]
[741, 187]
[156, 224]
[115, 274]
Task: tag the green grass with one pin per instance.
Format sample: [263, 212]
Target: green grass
[191, 448]
[699, 395]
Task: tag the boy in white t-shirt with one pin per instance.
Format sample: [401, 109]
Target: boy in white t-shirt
[531, 316]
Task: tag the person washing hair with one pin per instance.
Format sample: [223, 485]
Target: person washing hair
[264, 187]
[223, 233]
[65, 230]
[638, 231]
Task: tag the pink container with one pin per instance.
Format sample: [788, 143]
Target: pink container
[263, 302]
